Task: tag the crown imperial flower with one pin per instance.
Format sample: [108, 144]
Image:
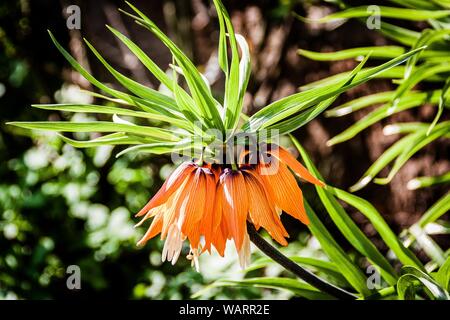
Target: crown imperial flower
[209, 204]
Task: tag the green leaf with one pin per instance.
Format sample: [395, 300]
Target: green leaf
[131, 100]
[375, 52]
[198, 89]
[378, 52]
[232, 77]
[428, 245]
[97, 126]
[296, 122]
[443, 275]
[417, 4]
[244, 69]
[403, 127]
[441, 207]
[286, 107]
[144, 58]
[223, 48]
[92, 108]
[161, 102]
[347, 226]
[418, 143]
[388, 236]
[110, 139]
[300, 120]
[389, 155]
[426, 38]
[423, 72]
[386, 12]
[424, 182]
[111, 99]
[407, 102]
[185, 103]
[407, 282]
[392, 73]
[296, 287]
[189, 112]
[360, 103]
[402, 35]
[442, 104]
[325, 267]
[346, 267]
[163, 147]
[406, 146]
[388, 293]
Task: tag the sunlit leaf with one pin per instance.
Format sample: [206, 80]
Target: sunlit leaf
[408, 102]
[408, 281]
[298, 288]
[347, 226]
[98, 126]
[386, 12]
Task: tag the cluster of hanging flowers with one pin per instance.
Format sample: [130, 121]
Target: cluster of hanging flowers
[208, 204]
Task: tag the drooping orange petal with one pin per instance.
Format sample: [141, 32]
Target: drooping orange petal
[213, 211]
[169, 187]
[260, 211]
[235, 205]
[174, 203]
[284, 156]
[220, 238]
[151, 213]
[194, 235]
[193, 207]
[153, 230]
[287, 194]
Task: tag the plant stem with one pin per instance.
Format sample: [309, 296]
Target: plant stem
[291, 266]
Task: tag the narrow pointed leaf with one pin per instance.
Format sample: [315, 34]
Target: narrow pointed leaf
[347, 226]
[97, 126]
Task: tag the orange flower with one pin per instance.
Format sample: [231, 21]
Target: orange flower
[181, 208]
[281, 184]
[208, 205]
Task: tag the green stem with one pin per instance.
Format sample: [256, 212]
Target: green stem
[291, 266]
